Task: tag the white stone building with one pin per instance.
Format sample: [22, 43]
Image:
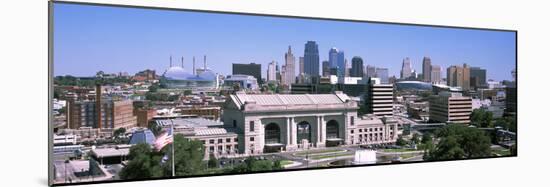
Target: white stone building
[273, 123]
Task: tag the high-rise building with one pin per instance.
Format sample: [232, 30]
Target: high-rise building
[371, 71]
[311, 59]
[326, 68]
[426, 69]
[406, 68]
[478, 77]
[356, 67]
[341, 64]
[289, 75]
[511, 100]
[252, 69]
[447, 107]
[379, 98]
[271, 71]
[301, 64]
[333, 57]
[459, 76]
[435, 74]
[383, 74]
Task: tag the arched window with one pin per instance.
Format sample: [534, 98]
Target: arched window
[272, 133]
[304, 131]
[332, 129]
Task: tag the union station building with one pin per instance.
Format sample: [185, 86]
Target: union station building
[279, 122]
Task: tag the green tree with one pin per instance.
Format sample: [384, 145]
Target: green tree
[415, 138]
[144, 163]
[459, 141]
[447, 149]
[154, 87]
[426, 138]
[189, 155]
[400, 141]
[118, 132]
[213, 162]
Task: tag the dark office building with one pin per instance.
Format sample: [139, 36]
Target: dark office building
[356, 67]
[326, 68]
[311, 59]
[511, 100]
[251, 69]
[478, 77]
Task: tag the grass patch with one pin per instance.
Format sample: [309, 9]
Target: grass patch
[319, 157]
[286, 162]
[398, 150]
[501, 152]
[304, 153]
[406, 156]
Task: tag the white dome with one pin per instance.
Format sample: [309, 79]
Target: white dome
[176, 73]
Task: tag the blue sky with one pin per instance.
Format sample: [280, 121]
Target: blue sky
[113, 39]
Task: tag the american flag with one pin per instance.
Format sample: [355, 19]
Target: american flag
[164, 139]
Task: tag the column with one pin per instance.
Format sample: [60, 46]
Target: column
[293, 132]
[288, 138]
[323, 129]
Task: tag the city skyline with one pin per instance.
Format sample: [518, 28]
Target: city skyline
[139, 39]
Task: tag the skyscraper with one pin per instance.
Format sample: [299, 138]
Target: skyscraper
[333, 57]
[371, 71]
[459, 76]
[426, 69]
[356, 67]
[289, 75]
[341, 64]
[326, 68]
[252, 69]
[271, 71]
[379, 100]
[301, 64]
[311, 59]
[478, 77]
[435, 74]
[406, 69]
[383, 74]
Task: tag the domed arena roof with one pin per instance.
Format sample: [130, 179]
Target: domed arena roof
[176, 73]
[416, 85]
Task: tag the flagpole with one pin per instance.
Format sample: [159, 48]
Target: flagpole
[173, 158]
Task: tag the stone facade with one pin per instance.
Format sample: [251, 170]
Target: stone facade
[273, 123]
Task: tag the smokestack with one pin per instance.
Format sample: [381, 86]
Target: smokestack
[98, 104]
[204, 63]
[182, 62]
[170, 60]
[193, 65]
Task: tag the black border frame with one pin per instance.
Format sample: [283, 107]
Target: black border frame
[50, 86]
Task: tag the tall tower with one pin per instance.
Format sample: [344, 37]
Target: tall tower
[271, 71]
[426, 69]
[341, 64]
[406, 69]
[289, 71]
[311, 59]
[356, 67]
